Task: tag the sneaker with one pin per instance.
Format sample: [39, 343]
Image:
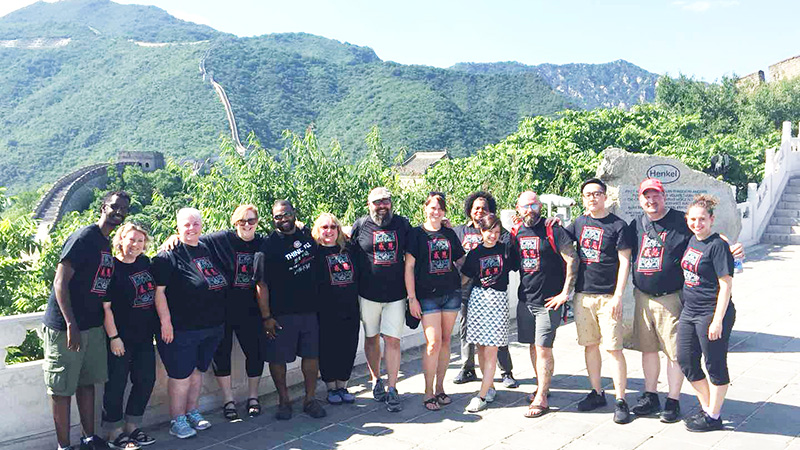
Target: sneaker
[477, 404]
[491, 395]
[393, 401]
[703, 423]
[379, 391]
[465, 376]
[672, 411]
[196, 420]
[621, 412]
[347, 397]
[647, 405]
[334, 397]
[314, 409]
[94, 442]
[592, 401]
[181, 429]
[509, 381]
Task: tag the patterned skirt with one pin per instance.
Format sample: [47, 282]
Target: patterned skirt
[487, 317]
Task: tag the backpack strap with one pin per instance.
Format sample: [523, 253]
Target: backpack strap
[551, 238]
[515, 228]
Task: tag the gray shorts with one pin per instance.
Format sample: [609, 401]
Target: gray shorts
[537, 324]
[298, 336]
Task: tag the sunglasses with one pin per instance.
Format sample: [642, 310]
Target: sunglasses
[532, 207]
[278, 217]
[383, 201]
[251, 221]
[329, 227]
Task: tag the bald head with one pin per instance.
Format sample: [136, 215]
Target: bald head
[527, 197]
[529, 208]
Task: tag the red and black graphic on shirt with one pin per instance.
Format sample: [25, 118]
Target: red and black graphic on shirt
[471, 241]
[145, 287]
[244, 270]
[689, 264]
[213, 277]
[103, 276]
[591, 243]
[651, 254]
[491, 268]
[384, 245]
[530, 260]
[341, 269]
[439, 255]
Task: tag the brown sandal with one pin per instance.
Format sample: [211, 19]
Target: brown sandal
[535, 411]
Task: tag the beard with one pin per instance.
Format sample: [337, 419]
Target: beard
[381, 217]
[531, 219]
[286, 227]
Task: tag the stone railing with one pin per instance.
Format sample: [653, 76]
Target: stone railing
[780, 165]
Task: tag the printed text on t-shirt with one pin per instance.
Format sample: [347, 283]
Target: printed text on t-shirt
[439, 255]
[491, 269]
[103, 276]
[244, 270]
[591, 242]
[340, 268]
[651, 254]
[384, 245]
[691, 259]
[145, 287]
[529, 257]
[213, 277]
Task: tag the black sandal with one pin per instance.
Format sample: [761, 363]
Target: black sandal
[141, 437]
[443, 399]
[229, 411]
[253, 409]
[124, 442]
[432, 404]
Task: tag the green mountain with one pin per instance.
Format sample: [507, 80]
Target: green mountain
[86, 78]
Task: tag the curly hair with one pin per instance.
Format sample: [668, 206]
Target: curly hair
[491, 204]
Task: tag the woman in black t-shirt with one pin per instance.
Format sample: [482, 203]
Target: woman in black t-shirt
[130, 322]
[434, 292]
[339, 318]
[707, 318]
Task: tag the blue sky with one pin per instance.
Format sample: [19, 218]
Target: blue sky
[704, 39]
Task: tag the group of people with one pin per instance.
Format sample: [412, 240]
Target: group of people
[305, 292]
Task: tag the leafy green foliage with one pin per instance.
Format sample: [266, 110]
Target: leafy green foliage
[30, 350]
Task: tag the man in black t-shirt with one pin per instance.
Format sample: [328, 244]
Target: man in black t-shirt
[604, 251]
[74, 339]
[288, 299]
[477, 205]
[379, 245]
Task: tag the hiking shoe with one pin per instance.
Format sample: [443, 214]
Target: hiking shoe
[181, 429]
[672, 411]
[592, 401]
[379, 391]
[509, 381]
[465, 376]
[314, 409]
[334, 397]
[491, 395]
[196, 420]
[347, 397]
[477, 404]
[94, 442]
[621, 412]
[284, 411]
[393, 401]
[703, 423]
[647, 405]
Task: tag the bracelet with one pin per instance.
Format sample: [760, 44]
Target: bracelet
[264, 319]
[111, 338]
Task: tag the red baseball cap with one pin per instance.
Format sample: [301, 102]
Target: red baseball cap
[651, 183]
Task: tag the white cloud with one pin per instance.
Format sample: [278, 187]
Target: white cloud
[703, 6]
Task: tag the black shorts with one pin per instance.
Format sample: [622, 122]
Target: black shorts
[189, 350]
[298, 336]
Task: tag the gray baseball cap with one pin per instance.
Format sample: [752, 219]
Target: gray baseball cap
[379, 193]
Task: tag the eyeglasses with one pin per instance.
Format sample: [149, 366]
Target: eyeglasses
[595, 194]
[277, 217]
[532, 207]
[251, 221]
[382, 201]
[329, 227]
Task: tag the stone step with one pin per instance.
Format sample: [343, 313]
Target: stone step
[791, 221]
[791, 190]
[783, 229]
[789, 205]
[780, 212]
[794, 182]
[780, 238]
[790, 197]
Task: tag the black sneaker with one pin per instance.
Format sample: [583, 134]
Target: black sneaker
[621, 412]
[465, 376]
[509, 381]
[647, 405]
[592, 401]
[672, 411]
[703, 423]
[378, 391]
[94, 442]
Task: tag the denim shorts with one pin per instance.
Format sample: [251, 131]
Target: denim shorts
[449, 302]
[189, 350]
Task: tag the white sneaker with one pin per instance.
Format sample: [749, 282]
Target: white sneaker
[477, 404]
[490, 395]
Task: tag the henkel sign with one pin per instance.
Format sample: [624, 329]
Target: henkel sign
[667, 173]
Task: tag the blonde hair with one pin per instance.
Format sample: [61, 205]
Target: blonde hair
[705, 201]
[127, 228]
[241, 210]
[341, 239]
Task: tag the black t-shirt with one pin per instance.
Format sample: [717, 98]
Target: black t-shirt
[541, 270]
[132, 294]
[703, 264]
[436, 253]
[237, 258]
[338, 283]
[89, 254]
[287, 263]
[598, 242]
[379, 254]
[657, 268]
[489, 267]
[196, 286]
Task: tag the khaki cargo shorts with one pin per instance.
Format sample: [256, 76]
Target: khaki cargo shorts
[594, 321]
[65, 370]
[655, 323]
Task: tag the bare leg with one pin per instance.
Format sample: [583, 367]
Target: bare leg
[703, 394]
[594, 364]
[60, 406]
[195, 384]
[225, 386]
[372, 349]
[651, 366]
[532, 351]
[716, 398]
[391, 347]
[178, 392]
[432, 324]
[310, 368]
[488, 362]
[544, 374]
[448, 321]
[84, 397]
[674, 379]
[252, 387]
[278, 373]
[620, 373]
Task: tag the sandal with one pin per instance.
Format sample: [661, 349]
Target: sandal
[443, 399]
[535, 411]
[432, 404]
[124, 442]
[532, 396]
[229, 411]
[141, 437]
[253, 409]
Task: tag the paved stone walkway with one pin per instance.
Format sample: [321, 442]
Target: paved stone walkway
[762, 411]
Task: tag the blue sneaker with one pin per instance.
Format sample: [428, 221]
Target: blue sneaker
[393, 401]
[379, 391]
[335, 397]
[196, 420]
[180, 428]
[346, 396]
